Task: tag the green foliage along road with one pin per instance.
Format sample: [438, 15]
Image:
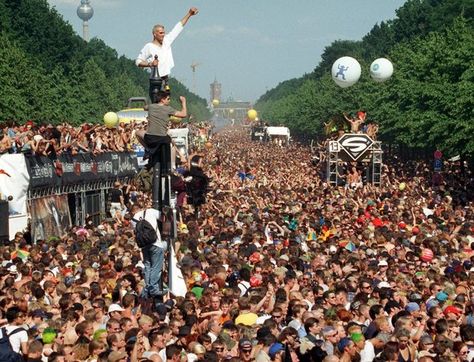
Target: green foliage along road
[427, 103]
[49, 74]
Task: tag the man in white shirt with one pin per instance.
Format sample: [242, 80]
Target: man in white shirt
[16, 333]
[161, 47]
[153, 255]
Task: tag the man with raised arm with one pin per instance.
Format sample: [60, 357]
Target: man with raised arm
[161, 47]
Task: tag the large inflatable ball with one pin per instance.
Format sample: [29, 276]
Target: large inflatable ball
[402, 186]
[346, 71]
[252, 114]
[110, 119]
[175, 120]
[215, 102]
[381, 69]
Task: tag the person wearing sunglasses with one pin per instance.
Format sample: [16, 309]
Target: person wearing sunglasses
[245, 350]
[17, 335]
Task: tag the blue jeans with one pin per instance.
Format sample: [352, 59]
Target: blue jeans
[153, 257]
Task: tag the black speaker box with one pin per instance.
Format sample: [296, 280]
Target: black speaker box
[4, 230]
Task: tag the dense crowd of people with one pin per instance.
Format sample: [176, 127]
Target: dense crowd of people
[51, 140]
[279, 266]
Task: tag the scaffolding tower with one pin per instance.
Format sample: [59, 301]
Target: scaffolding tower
[358, 148]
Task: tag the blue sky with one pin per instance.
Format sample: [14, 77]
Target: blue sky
[248, 46]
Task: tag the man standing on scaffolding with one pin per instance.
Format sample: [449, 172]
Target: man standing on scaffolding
[161, 47]
[157, 131]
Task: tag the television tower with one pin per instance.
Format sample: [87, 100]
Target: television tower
[194, 65]
[85, 13]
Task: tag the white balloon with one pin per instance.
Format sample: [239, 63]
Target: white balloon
[381, 69]
[346, 71]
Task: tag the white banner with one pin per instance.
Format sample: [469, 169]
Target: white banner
[14, 181]
[177, 285]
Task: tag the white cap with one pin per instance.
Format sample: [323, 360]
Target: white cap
[384, 285]
[284, 257]
[115, 308]
[382, 263]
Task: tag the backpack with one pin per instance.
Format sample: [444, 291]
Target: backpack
[7, 354]
[145, 234]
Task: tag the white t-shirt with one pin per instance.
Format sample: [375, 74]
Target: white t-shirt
[368, 353]
[243, 286]
[152, 217]
[165, 55]
[17, 338]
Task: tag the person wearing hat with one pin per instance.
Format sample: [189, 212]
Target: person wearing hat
[276, 351]
[347, 349]
[245, 350]
[414, 310]
[382, 270]
[115, 311]
[452, 312]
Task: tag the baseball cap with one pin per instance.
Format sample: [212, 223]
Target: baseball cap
[245, 343]
[412, 307]
[343, 343]
[384, 285]
[441, 296]
[284, 257]
[382, 263]
[115, 308]
[274, 349]
[451, 309]
[431, 303]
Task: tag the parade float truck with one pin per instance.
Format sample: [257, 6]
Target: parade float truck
[278, 135]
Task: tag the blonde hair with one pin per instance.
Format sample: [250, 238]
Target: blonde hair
[199, 349]
[145, 319]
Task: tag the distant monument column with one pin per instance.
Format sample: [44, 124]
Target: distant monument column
[85, 13]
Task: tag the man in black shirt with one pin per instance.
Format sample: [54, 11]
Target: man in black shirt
[117, 203]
